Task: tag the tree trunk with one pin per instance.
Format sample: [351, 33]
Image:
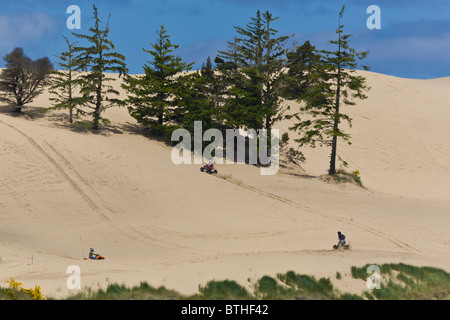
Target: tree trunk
[70, 93]
[335, 127]
[332, 170]
[97, 107]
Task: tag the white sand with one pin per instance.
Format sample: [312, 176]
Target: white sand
[173, 226]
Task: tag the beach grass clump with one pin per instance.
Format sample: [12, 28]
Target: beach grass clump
[268, 288]
[406, 282]
[222, 290]
[114, 291]
[308, 286]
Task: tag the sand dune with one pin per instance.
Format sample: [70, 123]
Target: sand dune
[63, 192]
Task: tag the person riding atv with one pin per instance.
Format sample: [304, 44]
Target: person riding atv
[210, 165]
[209, 168]
[342, 242]
[95, 256]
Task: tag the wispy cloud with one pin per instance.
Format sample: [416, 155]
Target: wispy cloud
[26, 30]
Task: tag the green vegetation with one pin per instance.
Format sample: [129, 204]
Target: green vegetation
[248, 85]
[326, 82]
[23, 79]
[65, 83]
[97, 59]
[15, 291]
[398, 282]
[342, 176]
[406, 282]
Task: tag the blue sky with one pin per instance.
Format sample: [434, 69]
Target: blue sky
[413, 42]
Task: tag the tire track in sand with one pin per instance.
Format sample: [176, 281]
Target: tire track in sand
[305, 208]
[61, 171]
[109, 208]
[94, 198]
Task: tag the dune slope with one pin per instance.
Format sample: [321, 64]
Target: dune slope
[64, 191]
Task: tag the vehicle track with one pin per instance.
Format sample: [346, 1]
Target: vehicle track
[93, 198]
[80, 184]
[305, 208]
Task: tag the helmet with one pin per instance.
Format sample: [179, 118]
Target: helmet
[339, 232]
[92, 249]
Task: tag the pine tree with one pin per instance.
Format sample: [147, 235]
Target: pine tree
[153, 97]
[332, 84]
[200, 97]
[252, 66]
[65, 83]
[214, 87]
[273, 71]
[303, 64]
[98, 59]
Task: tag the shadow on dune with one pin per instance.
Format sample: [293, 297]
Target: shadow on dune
[84, 126]
[28, 113]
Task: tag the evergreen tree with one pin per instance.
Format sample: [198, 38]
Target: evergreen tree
[154, 96]
[332, 83]
[273, 71]
[303, 67]
[65, 83]
[98, 59]
[200, 97]
[23, 79]
[252, 66]
[213, 86]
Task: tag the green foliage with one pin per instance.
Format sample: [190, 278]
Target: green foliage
[342, 176]
[223, 290]
[326, 82]
[308, 285]
[268, 288]
[65, 83]
[15, 291]
[23, 79]
[155, 99]
[399, 281]
[402, 281]
[98, 59]
[350, 296]
[252, 68]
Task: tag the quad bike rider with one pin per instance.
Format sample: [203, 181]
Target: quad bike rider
[95, 256]
[342, 243]
[209, 168]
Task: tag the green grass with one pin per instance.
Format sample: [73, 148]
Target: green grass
[398, 282]
[406, 282]
[222, 290]
[308, 286]
[7, 294]
[115, 291]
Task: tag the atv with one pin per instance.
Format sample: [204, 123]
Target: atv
[97, 257]
[208, 169]
[341, 246]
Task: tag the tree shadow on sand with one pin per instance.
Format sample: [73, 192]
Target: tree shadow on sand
[140, 130]
[84, 126]
[27, 113]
